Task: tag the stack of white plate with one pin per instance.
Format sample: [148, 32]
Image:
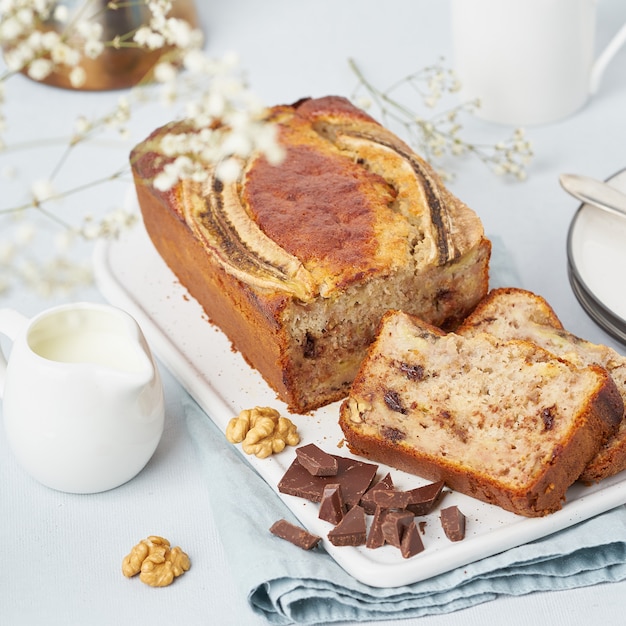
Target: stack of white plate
[596, 253]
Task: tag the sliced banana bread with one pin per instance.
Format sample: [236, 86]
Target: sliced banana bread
[511, 313]
[506, 422]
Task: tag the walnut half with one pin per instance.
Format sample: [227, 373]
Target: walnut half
[155, 561]
[262, 431]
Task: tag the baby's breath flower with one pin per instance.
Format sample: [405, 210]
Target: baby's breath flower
[40, 69]
[439, 135]
[228, 170]
[165, 72]
[62, 54]
[93, 48]
[78, 76]
[224, 117]
[43, 190]
[61, 13]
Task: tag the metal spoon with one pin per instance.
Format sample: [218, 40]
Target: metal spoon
[595, 192]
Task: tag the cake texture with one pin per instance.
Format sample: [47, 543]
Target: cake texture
[297, 262]
[505, 422]
[511, 313]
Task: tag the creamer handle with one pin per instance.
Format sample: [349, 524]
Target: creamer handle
[11, 322]
[605, 57]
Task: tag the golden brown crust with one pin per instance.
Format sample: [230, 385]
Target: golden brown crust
[371, 426]
[542, 312]
[230, 301]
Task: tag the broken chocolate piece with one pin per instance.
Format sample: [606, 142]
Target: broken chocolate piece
[453, 523]
[353, 476]
[351, 530]
[391, 498]
[294, 534]
[367, 501]
[375, 537]
[422, 500]
[394, 524]
[411, 543]
[332, 508]
[316, 461]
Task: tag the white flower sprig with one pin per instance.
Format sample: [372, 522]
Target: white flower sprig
[225, 124]
[438, 134]
[225, 121]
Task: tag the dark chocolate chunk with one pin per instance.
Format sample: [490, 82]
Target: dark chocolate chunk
[367, 501]
[294, 534]
[351, 530]
[411, 543]
[453, 523]
[353, 476]
[422, 500]
[394, 524]
[375, 537]
[332, 508]
[316, 461]
[391, 498]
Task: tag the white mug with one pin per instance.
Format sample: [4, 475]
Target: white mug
[528, 61]
[82, 396]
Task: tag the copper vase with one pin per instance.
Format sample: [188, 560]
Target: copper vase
[115, 68]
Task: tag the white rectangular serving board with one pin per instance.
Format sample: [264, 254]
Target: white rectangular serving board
[132, 275]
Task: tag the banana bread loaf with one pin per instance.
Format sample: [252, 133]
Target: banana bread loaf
[506, 422]
[298, 262]
[511, 313]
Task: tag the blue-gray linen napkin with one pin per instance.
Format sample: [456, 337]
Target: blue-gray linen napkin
[293, 586]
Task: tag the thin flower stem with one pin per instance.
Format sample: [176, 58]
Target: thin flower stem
[437, 135]
[36, 204]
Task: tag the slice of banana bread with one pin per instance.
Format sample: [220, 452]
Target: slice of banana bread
[511, 313]
[506, 422]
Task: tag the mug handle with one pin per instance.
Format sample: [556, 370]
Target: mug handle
[11, 323]
[605, 57]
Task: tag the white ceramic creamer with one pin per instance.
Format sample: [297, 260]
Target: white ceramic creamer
[528, 61]
[82, 396]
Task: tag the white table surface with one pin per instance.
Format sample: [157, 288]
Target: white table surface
[60, 554]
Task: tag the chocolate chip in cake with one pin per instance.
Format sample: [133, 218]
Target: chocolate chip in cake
[308, 349]
[547, 415]
[392, 400]
[412, 372]
[393, 434]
